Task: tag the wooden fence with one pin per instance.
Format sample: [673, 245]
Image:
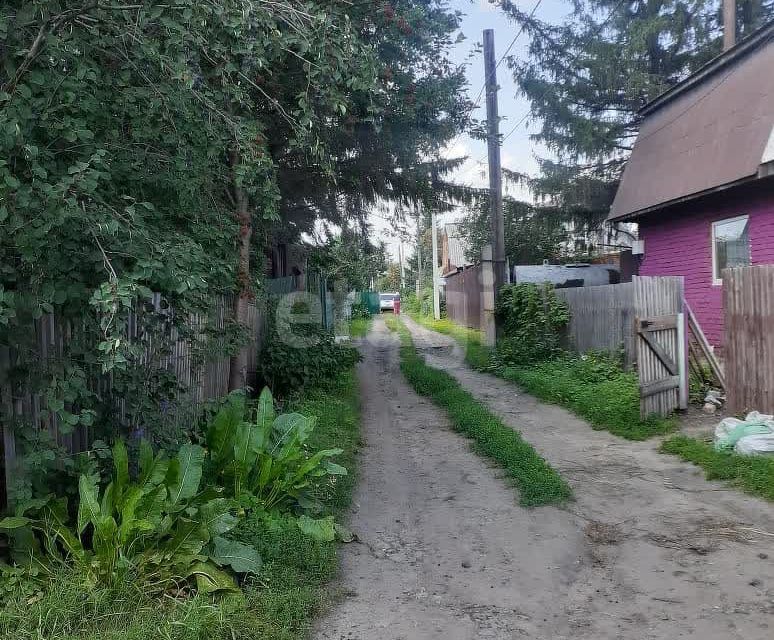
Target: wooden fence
[602, 319]
[202, 378]
[463, 297]
[749, 338]
[643, 318]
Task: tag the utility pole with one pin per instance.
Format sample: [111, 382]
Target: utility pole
[729, 24]
[436, 290]
[495, 172]
[402, 268]
[419, 251]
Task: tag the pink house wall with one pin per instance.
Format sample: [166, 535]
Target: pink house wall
[678, 243]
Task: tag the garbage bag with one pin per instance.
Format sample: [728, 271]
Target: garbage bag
[730, 430]
[756, 445]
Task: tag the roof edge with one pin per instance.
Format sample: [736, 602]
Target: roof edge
[633, 215]
[743, 48]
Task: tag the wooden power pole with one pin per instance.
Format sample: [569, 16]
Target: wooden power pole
[436, 288]
[729, 24]
[495, 169]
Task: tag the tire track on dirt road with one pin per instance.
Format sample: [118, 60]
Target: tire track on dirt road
[445, 551]
[664, 554]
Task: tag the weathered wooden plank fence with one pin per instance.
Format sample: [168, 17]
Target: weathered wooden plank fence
[602, 319]
[203, 378]
[749, 338]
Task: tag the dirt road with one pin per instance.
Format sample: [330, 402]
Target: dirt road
[647, 550]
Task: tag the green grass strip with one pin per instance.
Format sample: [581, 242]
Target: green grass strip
[538, 483]
[359, 327]
[477, 354]
[608, 403]
[752, 474]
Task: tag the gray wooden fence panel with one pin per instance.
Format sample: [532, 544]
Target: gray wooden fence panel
[602, 318]
[658, 296]
[749, 338]
[203, 381]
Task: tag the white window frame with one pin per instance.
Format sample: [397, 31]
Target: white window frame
[717, 278]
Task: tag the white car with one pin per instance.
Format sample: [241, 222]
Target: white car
[386, 300]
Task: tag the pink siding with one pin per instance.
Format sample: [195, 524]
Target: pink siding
[678, 243]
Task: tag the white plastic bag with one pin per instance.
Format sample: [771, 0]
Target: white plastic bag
[756, 445]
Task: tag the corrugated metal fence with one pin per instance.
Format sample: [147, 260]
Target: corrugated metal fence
[749, 329]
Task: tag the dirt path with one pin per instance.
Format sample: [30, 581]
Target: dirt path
[648, 549]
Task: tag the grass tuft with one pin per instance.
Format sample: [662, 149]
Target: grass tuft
[477, 354]
[610, 401]
[752, 474]
[359, 327]
[538, 483]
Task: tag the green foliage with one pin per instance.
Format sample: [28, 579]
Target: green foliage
[359, 327]
[263, 461]
[532, 318]
[301, 356]
[752, 474]
[594, 387]
[360, 311]
[141, 141]
[532, 234]
[292, 581]
[126, 612]
[159, 530]
[538, 483]
[477, 354]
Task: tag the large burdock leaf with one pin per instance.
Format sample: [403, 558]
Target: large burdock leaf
[216, 516]
[14, 522]
[238, 556]
[265, 414]
[188, 474]
[210, 579]
[322, 529]
[88, 506]
[220, 434]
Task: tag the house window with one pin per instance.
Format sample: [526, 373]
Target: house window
[730, 245]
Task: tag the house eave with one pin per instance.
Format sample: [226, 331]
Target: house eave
[635, 215]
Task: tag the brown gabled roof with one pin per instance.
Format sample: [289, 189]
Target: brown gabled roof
[709, 132]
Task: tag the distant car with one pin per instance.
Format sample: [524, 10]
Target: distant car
[386, 300]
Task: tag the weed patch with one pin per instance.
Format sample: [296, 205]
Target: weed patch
[538, 483]
[753, 474]
[278, 604]
[360, 326]
[597, 391]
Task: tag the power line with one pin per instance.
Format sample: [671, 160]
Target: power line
[574, 58]
[477, 101]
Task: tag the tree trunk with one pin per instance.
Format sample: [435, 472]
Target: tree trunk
[237, 378]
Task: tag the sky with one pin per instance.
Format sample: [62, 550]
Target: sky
[518, 152]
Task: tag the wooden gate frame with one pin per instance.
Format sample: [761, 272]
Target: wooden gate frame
[677, 378]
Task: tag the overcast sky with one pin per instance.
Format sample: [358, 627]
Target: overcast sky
[518, 151]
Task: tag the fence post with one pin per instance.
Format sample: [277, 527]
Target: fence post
[487, 297]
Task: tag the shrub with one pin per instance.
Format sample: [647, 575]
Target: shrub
[532, 318]
[313, 359]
